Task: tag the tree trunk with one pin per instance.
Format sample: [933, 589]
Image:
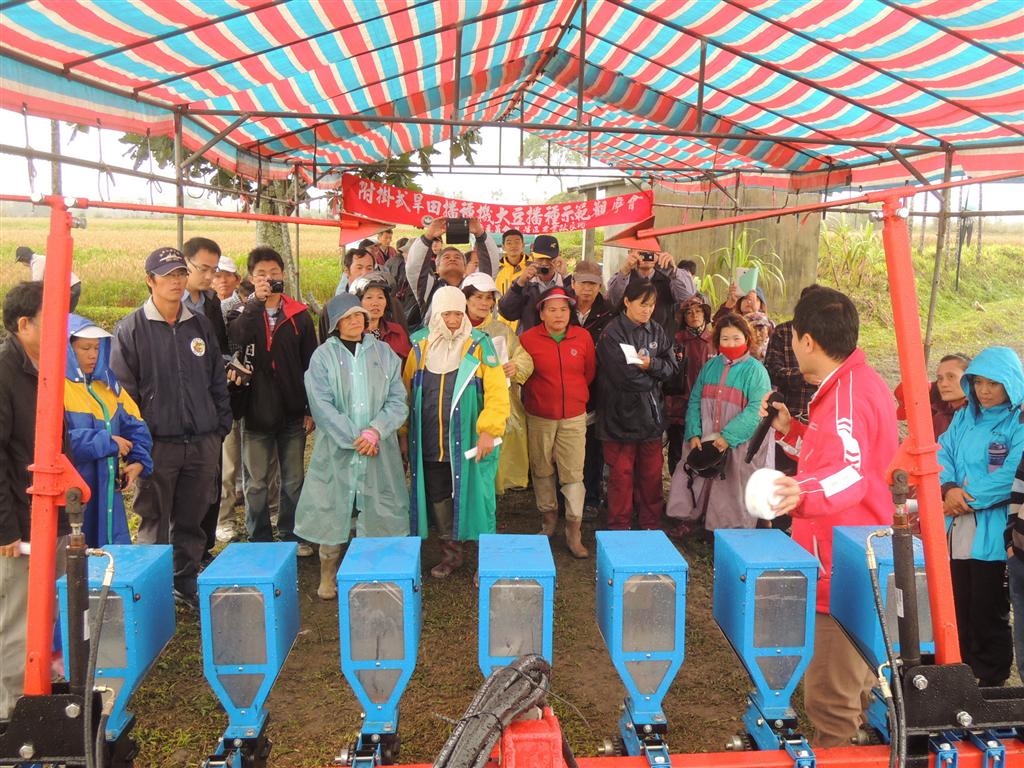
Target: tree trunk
[276, 235]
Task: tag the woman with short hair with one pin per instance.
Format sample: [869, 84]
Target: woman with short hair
[722, 412]
[630, 413]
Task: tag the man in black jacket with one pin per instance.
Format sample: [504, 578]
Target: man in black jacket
[203, 256]
[19, 378]
[276, 334]
[593, 312]
[169, 360]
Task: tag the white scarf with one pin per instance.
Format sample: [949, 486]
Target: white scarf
[444, 347]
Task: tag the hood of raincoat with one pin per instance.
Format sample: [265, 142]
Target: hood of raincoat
[102, 372]
[444, 347]
[998, 364]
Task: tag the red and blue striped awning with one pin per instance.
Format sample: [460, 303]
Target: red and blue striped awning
[817, 92]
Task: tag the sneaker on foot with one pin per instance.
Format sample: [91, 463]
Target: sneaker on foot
[305, 550]
[226, 533]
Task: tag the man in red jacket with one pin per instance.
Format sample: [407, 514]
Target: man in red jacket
[555, 398]
[843, 453]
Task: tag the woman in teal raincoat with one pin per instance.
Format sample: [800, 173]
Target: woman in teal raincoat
[979, 454]
[357, 400]
[459, 402]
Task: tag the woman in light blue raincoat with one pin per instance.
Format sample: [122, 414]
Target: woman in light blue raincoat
[979, 454]
[358, 401]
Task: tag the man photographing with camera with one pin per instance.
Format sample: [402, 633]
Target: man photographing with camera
[544, 271]
[276, 336]
[450, 267]
[674, 285]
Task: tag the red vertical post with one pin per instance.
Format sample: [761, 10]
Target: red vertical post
[48, 467]
[918, 453]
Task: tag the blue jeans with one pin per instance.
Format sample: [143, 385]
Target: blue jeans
[289, 444]
[1015, 568]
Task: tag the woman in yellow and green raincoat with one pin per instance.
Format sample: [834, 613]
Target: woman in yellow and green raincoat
[458, 402]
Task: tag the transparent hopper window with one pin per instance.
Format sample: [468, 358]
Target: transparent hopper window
[113, 652]
[376, 622]
[238, 624]
[780, 609]
[649, 613]
[924, 611]
[516, 618]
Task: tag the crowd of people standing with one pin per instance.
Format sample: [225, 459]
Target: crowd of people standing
[436, 379]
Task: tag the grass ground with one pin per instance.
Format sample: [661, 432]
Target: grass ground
[313, 713]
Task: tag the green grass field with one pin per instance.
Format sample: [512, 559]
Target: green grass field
[110, 252]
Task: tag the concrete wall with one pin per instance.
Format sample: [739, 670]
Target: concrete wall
[794, 238]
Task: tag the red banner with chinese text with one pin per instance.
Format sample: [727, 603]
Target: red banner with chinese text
[404, 206]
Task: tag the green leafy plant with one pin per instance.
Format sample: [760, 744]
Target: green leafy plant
[748, 252]
[848, 254]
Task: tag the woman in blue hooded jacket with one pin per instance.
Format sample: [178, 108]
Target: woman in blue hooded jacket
[979, 454]
[104, 429]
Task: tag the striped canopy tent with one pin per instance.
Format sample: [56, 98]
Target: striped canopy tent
[794, 94]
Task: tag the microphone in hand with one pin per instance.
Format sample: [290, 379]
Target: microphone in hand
[754, 445]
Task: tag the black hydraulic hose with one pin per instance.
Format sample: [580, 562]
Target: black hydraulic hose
[894, 699]
[101, 741]
[507, 693]
[93, 743]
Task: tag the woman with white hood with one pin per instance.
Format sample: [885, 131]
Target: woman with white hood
[482, 296]
[355, 479]
[459, 403]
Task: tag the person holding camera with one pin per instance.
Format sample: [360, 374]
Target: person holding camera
[542, 273]
[169, 361]
[450, 266]
[277, 338]
[674, 285]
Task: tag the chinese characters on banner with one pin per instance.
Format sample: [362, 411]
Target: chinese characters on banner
[403, 206]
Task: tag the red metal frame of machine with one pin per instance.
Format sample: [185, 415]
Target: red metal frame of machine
[53, 475]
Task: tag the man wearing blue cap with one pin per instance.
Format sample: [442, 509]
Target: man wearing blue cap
[168, 359]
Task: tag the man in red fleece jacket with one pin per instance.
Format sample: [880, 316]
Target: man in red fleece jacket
[555, 398]
[843, 453]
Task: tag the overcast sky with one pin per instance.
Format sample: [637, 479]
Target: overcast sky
[514, 186]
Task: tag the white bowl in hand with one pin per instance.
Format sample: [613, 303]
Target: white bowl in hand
[760, 493]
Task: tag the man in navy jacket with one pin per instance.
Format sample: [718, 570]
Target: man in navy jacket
[169, 360]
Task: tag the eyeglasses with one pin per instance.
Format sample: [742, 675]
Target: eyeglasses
[202, 269]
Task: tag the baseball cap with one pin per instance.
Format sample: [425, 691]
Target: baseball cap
[587, 272]
[511, 233]
[224, 264]
[23, 254]
[545, 246]
[163, 261]
[482, 282]
[556, 293]
[341, 306]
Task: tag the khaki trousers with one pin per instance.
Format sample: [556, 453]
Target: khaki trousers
[557, 444]
[837, 685]
[13, 624]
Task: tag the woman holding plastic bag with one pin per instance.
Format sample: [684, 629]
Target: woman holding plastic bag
[721, 417]
[355, 479]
